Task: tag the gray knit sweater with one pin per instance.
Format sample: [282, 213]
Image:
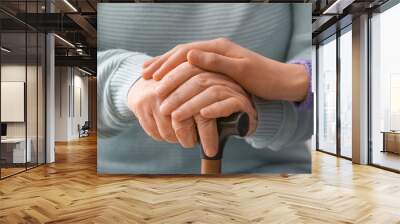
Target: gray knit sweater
[129, 34]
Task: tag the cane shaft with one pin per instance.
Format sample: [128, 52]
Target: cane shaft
[210, 166]
[236, 124]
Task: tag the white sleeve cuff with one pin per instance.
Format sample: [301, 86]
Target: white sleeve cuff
[122, 80]
[117, 71]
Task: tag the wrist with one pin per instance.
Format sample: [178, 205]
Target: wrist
[298, 84]
[291, 82]
[132, 92]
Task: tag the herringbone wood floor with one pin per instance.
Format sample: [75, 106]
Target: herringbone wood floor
[70, 191]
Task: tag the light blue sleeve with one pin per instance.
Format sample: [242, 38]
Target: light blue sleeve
[117, 71]
[301, 41]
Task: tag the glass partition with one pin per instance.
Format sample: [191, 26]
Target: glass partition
[327, 96]
[14, 153]
[32, 96]
[385, 89]
[346, 93]
[22, 77]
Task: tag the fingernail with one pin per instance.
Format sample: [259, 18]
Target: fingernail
[210, 152]
[156, 76]
[145, 74]
[191, 56]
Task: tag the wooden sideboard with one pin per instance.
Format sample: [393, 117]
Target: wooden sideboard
[391, 141]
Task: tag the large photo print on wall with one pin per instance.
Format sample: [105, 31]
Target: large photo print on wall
[204, 88]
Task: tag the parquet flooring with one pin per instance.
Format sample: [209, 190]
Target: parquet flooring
[70, 191]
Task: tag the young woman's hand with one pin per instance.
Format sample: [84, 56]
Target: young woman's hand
[261, 76]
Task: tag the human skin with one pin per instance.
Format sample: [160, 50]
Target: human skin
[196, 102]
[259, 75]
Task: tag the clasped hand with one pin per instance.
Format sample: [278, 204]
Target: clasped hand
[198, 82]
[172, 114]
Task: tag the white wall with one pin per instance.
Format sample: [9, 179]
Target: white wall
[61, 103]
[70, 83]
[16, 73]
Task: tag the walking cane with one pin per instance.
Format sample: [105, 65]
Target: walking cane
[236, 124]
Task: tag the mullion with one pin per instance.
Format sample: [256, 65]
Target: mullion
[37, 90]
[26, 86]
[338, 92]
[0, 95]
[317, 96]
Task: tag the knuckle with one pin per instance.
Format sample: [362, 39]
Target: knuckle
[212, 110]
[212, 60]
[241, 67]
[178, 46]
[200, 80]
[202, 123]
[223, 41]
[216, 91]
[152, 132]
[224, 113]
[182, 50]
[154, 135]
[174, 100]
[175, 116]
[168, 135]
[237, 103]
[187, 65]
[167, 82]
[190, 68]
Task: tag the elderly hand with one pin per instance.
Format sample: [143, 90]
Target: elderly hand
[261, 76]
[200, 98]
[210, 94]
[145, 104]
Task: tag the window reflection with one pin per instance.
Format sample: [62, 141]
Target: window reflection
[385, 84]
[327, 96]
[346, 94]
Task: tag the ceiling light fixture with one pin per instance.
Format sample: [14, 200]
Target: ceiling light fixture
[65, 41]
[5, 50]
[84, 71]
[337, 7]
[70, 5]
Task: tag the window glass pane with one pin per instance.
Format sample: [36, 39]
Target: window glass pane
[22, 89]
[32, 89]
[327, 97]
[385, 114]
[346, 94]
[31, 97]
[14, 148]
